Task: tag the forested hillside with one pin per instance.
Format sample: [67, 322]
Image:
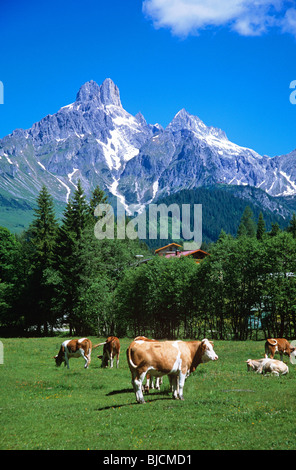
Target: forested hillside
[223, 205]
[60, 275]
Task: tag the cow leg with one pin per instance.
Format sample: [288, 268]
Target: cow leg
[111, 360]
[67, 360]
[147, 386]
[137, 384]
[170, 377]
[89, 357]
[174, 385]
[84, 357]
[182, 378]
[117, 361]
[108, 356]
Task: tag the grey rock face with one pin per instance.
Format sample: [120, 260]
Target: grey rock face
[96, 140]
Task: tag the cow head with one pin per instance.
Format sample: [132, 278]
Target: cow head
[208, 353]
[58, 359]
[104, 358]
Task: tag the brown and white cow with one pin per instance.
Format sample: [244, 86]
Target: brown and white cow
[278, 345]
[177, 359]
[110, 350]
[75, 348]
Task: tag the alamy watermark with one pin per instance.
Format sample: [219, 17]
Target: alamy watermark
[293, 94]
[151, 223]
[1, 93]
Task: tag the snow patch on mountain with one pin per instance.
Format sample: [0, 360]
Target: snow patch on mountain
[95, 139]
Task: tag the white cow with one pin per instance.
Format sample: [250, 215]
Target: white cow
[266, 365]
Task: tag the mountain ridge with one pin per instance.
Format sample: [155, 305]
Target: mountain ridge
[96, 140]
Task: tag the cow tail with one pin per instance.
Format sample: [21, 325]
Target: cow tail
[272, 341]
[99, 344]
[128, 353]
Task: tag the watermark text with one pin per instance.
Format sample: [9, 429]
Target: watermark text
[159, 220]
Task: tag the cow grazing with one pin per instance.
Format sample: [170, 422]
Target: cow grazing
[75, 348]
[177, 359]
[278, 345]
[110, 350]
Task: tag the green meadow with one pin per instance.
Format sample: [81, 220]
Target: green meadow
[225, 407]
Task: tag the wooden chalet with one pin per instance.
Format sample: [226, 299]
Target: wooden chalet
[173, 250]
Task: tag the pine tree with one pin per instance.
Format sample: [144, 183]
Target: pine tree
[98, 197]
[247, 225]
[261, 229]
[70, 262]
[275, 230]
[43, 229]
[292, 226]
[80, 211]
[42, 239]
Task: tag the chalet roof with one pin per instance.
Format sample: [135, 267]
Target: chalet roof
[185, 253]
[167, 246]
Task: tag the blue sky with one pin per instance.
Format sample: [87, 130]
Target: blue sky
[224, 61]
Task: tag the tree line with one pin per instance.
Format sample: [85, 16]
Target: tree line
[58, 273]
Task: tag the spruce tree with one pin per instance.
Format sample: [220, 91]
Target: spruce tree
[247, 226]
[98, 197]
[292, 226]
[42, 239]
[275, 230]
[260, 227]
[70, 262]
[44, 229]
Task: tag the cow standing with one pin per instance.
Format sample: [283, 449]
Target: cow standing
[75, 348]
[177, 359]
[110, 351]
[278, 345]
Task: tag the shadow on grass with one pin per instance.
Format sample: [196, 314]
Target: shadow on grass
[157, 396]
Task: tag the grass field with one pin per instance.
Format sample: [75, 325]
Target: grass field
[225, 407]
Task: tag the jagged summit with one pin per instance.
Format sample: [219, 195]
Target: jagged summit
[106, 94]
[96, 140]
[109, 93]
[88, 92]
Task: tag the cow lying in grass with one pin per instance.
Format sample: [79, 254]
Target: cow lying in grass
[266, 365]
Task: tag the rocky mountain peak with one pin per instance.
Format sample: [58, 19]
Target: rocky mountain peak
[109, 93]
[90, 91]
